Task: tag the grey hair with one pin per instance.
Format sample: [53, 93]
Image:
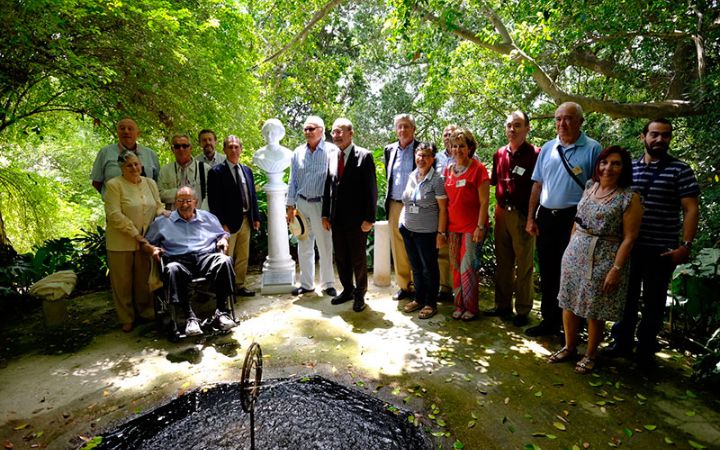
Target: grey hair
[180, 136]
[578, 108]
[317, 120]
[186, 188]
[125, 155]
[343, 122]
[231, 137]
[404, 116]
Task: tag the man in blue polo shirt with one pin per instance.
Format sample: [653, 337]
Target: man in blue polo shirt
[563, 167]
[668, 187]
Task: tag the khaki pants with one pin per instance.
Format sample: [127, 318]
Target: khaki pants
[129, 273]
[397, 247]
[239, 251]
[513, 247]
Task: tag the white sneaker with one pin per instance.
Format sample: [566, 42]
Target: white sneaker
[224, 322]
[193, 328]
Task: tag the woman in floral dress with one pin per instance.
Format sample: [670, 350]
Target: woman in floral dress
[595, 272]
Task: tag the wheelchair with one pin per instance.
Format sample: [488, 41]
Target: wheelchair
[170, 318]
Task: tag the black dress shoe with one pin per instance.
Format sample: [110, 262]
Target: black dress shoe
[340, 299]
[616, 351]
[359, 304]
[242, 292]
[402, 294]
[498, 312]
[521, 320]
[330, 291]
[301, 290]
[544, 329]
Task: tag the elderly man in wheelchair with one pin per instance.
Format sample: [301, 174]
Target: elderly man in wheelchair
[188, 244]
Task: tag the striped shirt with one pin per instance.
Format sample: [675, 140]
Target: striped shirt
[421, 211]
[662, 184]
[308, 170]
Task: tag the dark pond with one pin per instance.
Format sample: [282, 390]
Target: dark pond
[308, 413]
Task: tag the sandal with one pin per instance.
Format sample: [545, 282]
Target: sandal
[562, 355]
[468, 316]
[411, 306]
[585, 366]
[427, 312]
[457, 314]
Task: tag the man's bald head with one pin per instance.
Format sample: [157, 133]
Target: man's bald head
[128, 132]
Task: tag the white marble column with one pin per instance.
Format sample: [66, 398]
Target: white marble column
[279, 268]
[381, 257]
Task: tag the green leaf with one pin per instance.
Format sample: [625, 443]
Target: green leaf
[538, 394]
[458, 445]
[628, 432]
[440, 422]
[560, 426]
[531, 447]
[539, 434]
[411, 419]
[640, 396]
[690, 394]
[650, 427]
[595, 383]
[669, 441]
[471, 423]
[690, 413]
[438, 433]
[551, 436]
[694, 444]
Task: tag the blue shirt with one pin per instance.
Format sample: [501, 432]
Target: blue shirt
[178, 236]
[559, 190]
[661, 196]
[402, 166]
[308, 170]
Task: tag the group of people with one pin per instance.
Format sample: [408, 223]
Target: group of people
[187, 214]
[608, 230]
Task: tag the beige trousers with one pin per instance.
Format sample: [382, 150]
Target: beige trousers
[129, 273]
[403, 271]
[239, 251]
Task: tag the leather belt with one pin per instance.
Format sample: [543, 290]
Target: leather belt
[310, 200]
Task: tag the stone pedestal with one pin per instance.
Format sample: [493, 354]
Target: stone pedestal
[381, 259]
[279, 268]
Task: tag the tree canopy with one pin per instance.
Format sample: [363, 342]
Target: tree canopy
[69, 70]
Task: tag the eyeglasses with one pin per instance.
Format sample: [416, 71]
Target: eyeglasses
[310, 129]
[182, 201]
[179, 146]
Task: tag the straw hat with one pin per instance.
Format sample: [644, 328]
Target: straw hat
[298, 226]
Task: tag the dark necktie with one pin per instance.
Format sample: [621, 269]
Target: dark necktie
[341, 164]
[243, 194]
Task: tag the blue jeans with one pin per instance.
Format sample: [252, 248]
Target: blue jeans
[423, 255]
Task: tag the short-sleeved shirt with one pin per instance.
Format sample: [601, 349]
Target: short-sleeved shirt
[511, 174]
[463, 198]
[661, 195]
[559, 189]
[106, 164]
[178, 236]
[421, 211]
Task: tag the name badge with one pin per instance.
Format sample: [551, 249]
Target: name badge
[519, 170]
[413, 209]
[577, 170]
[460, 183]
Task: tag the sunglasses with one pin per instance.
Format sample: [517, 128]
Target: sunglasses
[179, 146]
[310, 129]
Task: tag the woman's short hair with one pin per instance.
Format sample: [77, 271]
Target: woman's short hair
[125, 155]
[427, 146]
[468, 138]
[625, 179]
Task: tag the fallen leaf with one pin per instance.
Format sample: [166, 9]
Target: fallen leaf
[21, 426]
[669, 441]
[650, 427]
[628, 432]
[690, 413]
[690, 394]
[531, 447]
[440, 422]
[539, 434]
[411, 419]
[458, 445]
[471, 423]
[551, 436]
[438, 433]
[474, 415]
[694, 444]
[618, 399]
[560, 426]
[538, 394]
[595, 383]
[640, 396]
[507, 400]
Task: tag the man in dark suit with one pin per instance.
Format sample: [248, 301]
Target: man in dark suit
[232, 198]
[349, 205]
[399, 162]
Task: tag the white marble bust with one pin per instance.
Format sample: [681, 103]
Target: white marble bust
[273, 157]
